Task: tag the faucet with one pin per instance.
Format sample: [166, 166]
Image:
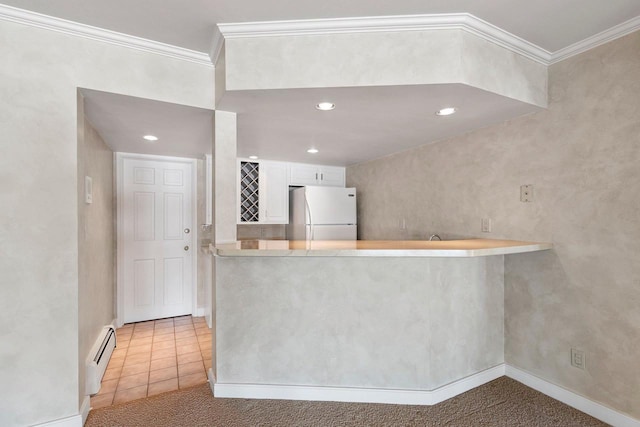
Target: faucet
[434, 237]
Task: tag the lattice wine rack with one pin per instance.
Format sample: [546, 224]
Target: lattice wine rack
[249, 209]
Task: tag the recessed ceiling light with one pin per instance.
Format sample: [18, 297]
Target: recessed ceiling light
[312, 150]
[253, 157]
[150, 137]
[446, 111]
[325, 106]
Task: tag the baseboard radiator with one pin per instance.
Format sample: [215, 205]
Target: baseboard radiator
[98, 359]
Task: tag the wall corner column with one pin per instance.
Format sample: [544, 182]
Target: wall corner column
[224, 176]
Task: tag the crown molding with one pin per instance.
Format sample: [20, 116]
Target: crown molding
[216, 46]
[462, 21]
[601, 38]
[21, 16]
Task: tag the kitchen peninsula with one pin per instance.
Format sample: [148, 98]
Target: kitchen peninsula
[411, 322]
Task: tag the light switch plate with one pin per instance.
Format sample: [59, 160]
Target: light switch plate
[88, 190]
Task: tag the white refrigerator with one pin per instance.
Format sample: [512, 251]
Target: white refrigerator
[322, 213]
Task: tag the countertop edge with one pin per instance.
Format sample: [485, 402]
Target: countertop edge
[403, 253]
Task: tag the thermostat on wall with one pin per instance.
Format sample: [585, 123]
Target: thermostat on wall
[88, 190]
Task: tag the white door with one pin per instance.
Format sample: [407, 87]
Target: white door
[157, 238]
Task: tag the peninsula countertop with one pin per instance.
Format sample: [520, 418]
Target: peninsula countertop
[377, 248]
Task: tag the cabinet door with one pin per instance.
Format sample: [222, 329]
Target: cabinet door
[274, 193]
[332, 176]
[304, 174]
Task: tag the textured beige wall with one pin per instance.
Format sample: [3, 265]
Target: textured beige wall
[389, 323]
[205, 236]
[582, 155]
[383, 59]
[338, 60]
[491, 67]
[221, 75]
[39, 311]
[265, 231]
[96, 241]
[224, 176]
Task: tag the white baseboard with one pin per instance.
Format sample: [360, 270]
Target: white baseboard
[212, 380]
[85, 408]
[465, 384]
[406, 397]
[419, 397]
[118, 323]
[200, 312]
[366, 395]
[209, 321]
[74, 421]
[581, 403]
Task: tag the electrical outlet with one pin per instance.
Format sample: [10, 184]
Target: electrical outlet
[526, 193]
[578, 358]
[486, 225]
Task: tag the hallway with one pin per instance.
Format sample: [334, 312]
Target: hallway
[155, 357]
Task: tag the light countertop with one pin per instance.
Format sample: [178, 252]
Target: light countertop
[377, 248]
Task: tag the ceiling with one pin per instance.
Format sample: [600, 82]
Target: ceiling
[123, 120]
[368, 122]
[549, 24]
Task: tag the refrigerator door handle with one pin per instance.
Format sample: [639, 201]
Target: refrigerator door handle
[310, 235]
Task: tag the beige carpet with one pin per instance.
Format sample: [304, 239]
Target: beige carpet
[502, 402]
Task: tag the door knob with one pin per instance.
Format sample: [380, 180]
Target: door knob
[186, 248]
[187, 231]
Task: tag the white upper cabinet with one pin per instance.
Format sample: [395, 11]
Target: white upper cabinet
[274, 192]
[263, 187]
[302, 174]
[263, 192]
[332, 176]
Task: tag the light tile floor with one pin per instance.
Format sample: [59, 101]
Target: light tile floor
[154, 357]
